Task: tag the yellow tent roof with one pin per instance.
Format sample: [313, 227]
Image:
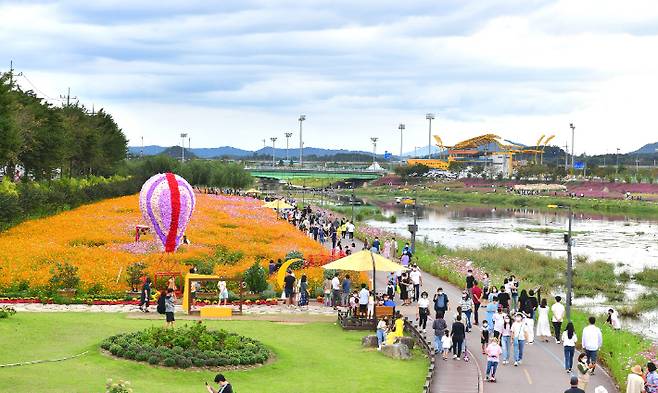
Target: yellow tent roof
[362, 261]
[278, 204]
[252, 191]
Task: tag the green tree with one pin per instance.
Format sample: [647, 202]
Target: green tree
[9, 136]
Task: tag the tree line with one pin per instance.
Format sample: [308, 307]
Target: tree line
[45, 142]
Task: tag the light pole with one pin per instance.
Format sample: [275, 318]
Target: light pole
[374, 149]
[141, 152]
[273, 139]
[352, 203]
[413, 228]
[301, 143]
[573, 150]
[182, 147]
[429, 117]
[617, 167]
[415, 151]
[401, 128]
[288, 135]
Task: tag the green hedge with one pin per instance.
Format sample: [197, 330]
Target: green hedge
[27, 199]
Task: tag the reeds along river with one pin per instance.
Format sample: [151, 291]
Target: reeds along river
[630, 243]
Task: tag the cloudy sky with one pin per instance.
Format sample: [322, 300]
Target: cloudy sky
[235, 72]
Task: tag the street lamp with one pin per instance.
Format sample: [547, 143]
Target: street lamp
[573, 146]
[288, 135]
[273, 139]
[415, 151]
[374, 149]
[429, 117]
[301, 144]
[401, 128]
[569, 242]
[617, 168]
[182, 147]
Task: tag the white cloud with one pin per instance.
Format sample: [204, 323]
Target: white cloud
[236, 72]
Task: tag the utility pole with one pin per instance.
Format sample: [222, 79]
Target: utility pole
[288, 135]
[68, 97]
[415, 151]
[141, 152]
[11, 74]
[273, 139]
[566, 156]
[569, 267]
[401, 127]
[374, 150]
[352, 203]
[617, 168]
[413, 228]
[429, 117]
[573, 150]
[301, 142]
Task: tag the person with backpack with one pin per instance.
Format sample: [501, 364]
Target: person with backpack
[169, 300]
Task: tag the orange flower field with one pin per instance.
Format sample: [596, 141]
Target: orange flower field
[99, 240]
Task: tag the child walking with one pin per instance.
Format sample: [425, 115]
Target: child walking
[493, 357]
[446, 344]
[484, 339]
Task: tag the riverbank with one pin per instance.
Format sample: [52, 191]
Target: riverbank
[501, 198]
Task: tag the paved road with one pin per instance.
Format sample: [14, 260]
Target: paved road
[542, 370]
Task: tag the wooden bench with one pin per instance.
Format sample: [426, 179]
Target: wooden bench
[384, 311]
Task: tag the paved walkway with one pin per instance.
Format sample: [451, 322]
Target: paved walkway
[542, 370]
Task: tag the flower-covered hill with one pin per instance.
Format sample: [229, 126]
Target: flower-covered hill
[99, 240]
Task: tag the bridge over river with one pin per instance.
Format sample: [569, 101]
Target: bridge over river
[287, 173]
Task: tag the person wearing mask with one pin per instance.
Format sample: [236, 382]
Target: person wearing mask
[498, 322]
[224, 385]
[583, 371]
[506, 340]
[574, 386]
[423, 310]
[466, 305]
[492, 308]
[558, 311]
[569, 340]
[458, 333]
[504, 298]
[170, 300]
[303, 292]
[486, 281]
[592, 339]
[440, 326]
[519, 335]
[613, 319]
[651, 378]
[476, 293]
[493, 357]
[440, 302]
[470, 280]
[335, 290]
[416, 280]
[634, 381]
[514, 293]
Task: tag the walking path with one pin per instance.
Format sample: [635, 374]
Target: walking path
[542, 370]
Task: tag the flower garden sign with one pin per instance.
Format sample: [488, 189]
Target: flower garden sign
[167, 203]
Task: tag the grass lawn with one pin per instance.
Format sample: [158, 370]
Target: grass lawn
[313, 357]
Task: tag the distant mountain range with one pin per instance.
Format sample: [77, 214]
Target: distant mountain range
[649, 148]
[232, 152]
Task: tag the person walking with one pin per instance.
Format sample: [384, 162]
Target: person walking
[288, 287]
[417, 281]
[145, 295]
[335, 291]
[387, 249]
[493, 357]
[651, 378]
[364, 295]
[543, 326]
[303, 292]
[446, 344]
[583, 371]
[458, 333]
[440, 327]
[492, 308]
[592, 339]
[558, 311]
[634, 381]
[170, 300]
[423, 311]
[574, 386]
[519, 334]
[405, 285]
[467, 309]
[476, 295]
[569, 340]
[327, 292]
[505, 335]
[440, 302]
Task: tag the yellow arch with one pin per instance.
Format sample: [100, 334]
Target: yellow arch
[282, 270]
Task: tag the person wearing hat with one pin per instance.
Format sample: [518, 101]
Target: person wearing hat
[635, 382]
[574, 386]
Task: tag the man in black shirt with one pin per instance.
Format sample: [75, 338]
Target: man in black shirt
[288, 285]
[503, 300]
[470, 280]
[224, 385]
[574, 386]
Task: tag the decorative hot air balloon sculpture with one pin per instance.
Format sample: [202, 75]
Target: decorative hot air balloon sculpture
[167, 202]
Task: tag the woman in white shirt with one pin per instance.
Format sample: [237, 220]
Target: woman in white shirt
[569, 340]
[423, 310]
